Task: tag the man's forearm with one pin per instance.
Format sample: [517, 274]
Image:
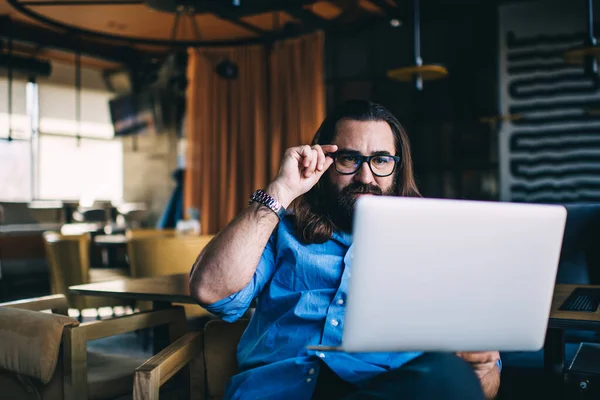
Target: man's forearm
[490, 383]
[229, 261]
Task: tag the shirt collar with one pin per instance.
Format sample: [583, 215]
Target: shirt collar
[342, 237]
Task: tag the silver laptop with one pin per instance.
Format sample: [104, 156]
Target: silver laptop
[450, 275]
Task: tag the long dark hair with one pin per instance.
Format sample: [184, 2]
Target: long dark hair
[313, 224]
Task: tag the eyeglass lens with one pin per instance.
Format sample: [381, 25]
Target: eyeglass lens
[380, 165]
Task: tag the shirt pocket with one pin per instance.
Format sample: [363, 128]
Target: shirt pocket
[317, 272]
[308, 267]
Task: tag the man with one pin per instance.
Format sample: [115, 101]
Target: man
[297, 266]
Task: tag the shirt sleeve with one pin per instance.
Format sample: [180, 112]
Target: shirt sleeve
[234, 306]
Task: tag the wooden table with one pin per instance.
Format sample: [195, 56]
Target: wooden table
[572, 319]
[161, 290]
[554, 348]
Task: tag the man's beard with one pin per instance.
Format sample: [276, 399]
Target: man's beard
[340, 204]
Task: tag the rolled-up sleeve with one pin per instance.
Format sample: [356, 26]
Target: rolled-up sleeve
[234, 306]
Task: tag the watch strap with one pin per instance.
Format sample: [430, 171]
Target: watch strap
[261, 197]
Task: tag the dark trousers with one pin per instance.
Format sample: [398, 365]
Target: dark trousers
[431, 376]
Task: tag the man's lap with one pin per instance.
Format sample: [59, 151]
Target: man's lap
[432, 375]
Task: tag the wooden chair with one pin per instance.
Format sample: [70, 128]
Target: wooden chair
[68, 264]
[165, 255]
[77, 374]
[155, 255]
[23, 264]
[210, 356]
[145, 233]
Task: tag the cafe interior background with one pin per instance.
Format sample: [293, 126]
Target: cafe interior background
[161, 117]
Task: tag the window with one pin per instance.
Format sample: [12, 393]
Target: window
[15, 156]
[15, 171]
[58, 112]
[69, 171]
[58, 166]
[19, 119]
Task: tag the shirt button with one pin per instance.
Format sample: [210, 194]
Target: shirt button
[321, 355]
[334, 322]
[309, 380]
[340, 302]
[311, 371]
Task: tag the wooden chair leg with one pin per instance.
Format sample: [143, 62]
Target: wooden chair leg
[75, 364]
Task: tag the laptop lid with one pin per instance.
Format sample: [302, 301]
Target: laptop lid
[451, 275]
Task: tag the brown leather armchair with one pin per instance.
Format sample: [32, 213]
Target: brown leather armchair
[44, 355]
[209, 355]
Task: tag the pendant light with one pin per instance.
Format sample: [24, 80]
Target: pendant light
[418, 72]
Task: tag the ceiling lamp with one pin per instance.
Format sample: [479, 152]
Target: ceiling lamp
[418, 72]
[589, 53]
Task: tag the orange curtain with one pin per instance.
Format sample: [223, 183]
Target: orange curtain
[297, 93]
[238, 129]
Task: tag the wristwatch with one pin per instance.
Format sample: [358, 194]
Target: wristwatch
[260, 196]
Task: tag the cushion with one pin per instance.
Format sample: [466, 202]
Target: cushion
[110, 375]
[25, 388]
[30, 341]
[220, 353]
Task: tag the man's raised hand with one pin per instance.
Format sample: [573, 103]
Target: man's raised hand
[300, 170]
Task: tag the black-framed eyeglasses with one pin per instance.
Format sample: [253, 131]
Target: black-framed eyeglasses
[381, 165]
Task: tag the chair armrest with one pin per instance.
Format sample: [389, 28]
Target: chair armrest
[173, 316]
[152, 374]
[57, 303]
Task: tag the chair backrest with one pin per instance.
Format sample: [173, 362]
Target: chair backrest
[145, 233]
[22, 246]
[68, 264]
[163, 255]
[220, 354]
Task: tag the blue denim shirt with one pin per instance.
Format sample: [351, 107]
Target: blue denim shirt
[301, 291]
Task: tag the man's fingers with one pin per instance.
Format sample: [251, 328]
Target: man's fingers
[328, 162]
[329, 148]
[310, 169]
[320, 158]
[306, 153]
[313, 159]
[479, 357]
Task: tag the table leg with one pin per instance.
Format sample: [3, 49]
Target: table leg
[554, 352]
[160, 333]
[554, 360]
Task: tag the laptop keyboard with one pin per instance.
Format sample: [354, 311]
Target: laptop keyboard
[582, 299]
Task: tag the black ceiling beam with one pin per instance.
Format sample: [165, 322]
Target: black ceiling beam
[61, 41]
[390, 10]
[243, 24]
[81, 3]
[307, 17]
